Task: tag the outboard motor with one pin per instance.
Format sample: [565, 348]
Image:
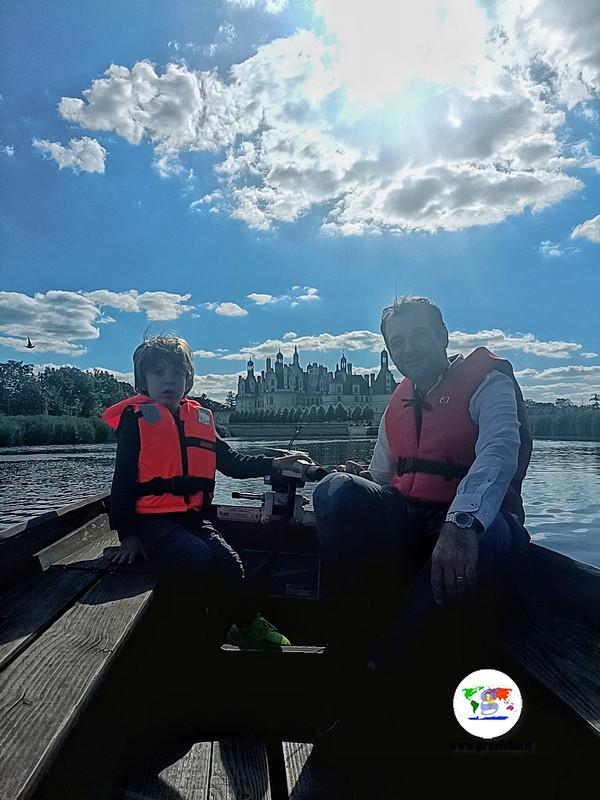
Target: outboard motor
[282, 502]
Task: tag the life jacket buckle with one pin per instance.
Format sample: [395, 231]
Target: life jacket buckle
[406, 465]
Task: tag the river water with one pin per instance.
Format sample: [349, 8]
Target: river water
[561, 491]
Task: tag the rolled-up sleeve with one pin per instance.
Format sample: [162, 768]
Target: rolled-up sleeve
[493, 408]
[383, 464]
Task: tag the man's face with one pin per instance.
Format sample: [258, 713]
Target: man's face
[417, 346]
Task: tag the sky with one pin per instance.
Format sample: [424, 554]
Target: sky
[259, 175]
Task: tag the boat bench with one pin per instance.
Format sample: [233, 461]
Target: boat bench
[240, 766]
[60, 632]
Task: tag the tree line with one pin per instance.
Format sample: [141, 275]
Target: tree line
[62, 405]
[563, 419]
[331, 413]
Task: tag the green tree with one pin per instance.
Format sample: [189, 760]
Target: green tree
[563, 403]
[207, 402]
[341, 415]
[108, 390]
[20, 391]
[69, 391]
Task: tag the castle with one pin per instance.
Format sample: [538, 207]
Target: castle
[287, 386]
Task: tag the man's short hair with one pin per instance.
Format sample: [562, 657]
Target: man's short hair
[165, 349]
[406, 303]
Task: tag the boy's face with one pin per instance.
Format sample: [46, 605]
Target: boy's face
[166, 384]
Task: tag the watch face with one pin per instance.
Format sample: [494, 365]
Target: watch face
[463, 519]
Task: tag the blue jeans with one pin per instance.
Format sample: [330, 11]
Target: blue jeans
[372, 532]
[193, 554]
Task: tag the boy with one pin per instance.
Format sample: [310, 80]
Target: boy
[167, 454]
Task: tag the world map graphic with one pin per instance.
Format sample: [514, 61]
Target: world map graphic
[489, 702]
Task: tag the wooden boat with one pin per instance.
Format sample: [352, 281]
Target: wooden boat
[113, 687]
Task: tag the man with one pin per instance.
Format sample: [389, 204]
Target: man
[440, 505]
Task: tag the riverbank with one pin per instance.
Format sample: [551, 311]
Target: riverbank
[39, 430]
[309, 430]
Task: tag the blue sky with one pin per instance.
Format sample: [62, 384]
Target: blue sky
[256, 175]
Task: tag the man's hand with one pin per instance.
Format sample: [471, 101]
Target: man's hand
[354, 468]
[454, 564]
[130, 548]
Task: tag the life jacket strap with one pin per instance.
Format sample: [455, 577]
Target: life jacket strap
[445, 468]
[178, 485]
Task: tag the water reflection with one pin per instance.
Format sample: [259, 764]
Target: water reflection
[561, 491]
[562, 498]
[38, 479]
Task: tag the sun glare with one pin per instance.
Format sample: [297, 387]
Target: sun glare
[383, 45]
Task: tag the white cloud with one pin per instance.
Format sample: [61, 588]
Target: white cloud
[497, 340]
[270, 6]
[368, 341]
[384, 49]
[572, 371]
[575, 382]
[159, 306]
[480, 138]
[309, 294]
[215, 386]
[53, 321]
[590, 229]
[56, 320]
[550, 249]
[567, 43]
[228, 309]
[205, 354]
[547, 393]
[260, 299]
[8, 150]
[85, 154]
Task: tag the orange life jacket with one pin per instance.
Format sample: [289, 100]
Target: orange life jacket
[177, 460]
[432, 463]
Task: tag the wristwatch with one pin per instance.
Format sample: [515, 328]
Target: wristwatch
[462, 519]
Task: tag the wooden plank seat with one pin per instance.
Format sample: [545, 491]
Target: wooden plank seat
[225, 768]
[60, 632]
[20, 543]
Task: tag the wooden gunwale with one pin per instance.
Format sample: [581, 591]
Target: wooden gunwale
[555, 641]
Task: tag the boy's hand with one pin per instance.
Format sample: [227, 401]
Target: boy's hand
[292, 461]
[130, 548]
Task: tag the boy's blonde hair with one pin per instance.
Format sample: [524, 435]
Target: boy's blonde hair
[160, 350]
